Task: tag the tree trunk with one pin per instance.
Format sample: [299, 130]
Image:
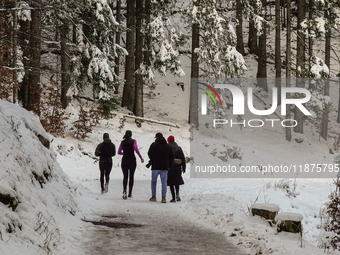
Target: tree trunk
[129, 87]
[147, 43]
[14, 48]
[284, 23]
[24, 43]
[310, 43]
[35, 45]
[252, 39]
[278, 50]
[300, 58]
[239, 29]
[74, 34]
[288, 66]
[324, 123]
[118, 19]
[262, 61]
[193, 113]
[300, 61]
[338, 119]
[65, 63]
[138, 107]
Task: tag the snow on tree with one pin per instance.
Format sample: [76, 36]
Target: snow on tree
[217, 50]
[164, 40]
[94, 67]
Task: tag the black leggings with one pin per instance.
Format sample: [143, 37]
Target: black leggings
[172, 189]
[105, 170]
[128, 169]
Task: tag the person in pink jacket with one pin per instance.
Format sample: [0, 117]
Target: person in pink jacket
[127, 148]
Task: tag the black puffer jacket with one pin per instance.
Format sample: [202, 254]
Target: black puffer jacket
[160, 155]
[105, 150]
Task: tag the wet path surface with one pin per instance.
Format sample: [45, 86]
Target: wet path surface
[151, 228]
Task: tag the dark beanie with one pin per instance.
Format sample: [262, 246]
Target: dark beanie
[105, 135]
[171, 139]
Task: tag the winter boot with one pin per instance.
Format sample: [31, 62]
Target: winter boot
[178, 198]
[163, 200]
[130, 195]
[153, 199]
[172, 201]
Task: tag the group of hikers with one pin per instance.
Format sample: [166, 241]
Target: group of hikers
[166, 159]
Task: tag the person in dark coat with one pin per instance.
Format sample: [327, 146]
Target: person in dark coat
[127, 148]
[105, 151]
[175, 173]
[161, 157]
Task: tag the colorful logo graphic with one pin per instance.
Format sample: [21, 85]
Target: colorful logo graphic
[209, 93]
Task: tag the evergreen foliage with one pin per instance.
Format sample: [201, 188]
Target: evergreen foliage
[217, 40]
[94, 66]
[162, 39]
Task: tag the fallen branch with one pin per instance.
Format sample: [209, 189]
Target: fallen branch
[151, 120]
[82, 97]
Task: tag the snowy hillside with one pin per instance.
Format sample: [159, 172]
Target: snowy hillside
[36, 197]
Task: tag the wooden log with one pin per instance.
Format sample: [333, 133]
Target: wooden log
[150, 120]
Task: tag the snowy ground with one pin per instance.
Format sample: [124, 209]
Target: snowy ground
[218, 208]
[221, 205]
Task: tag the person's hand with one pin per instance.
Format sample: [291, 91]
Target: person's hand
[142, 160]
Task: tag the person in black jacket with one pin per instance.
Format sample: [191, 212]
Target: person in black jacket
[175, 173]
[105, 151]
[127, 148]
[161, 157]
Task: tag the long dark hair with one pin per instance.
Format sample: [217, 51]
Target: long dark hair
[128, 134]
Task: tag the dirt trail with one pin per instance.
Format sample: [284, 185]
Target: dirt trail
[143, 227]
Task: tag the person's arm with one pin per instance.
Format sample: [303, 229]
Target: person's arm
[120, 150]
[135, 147]
[98, 149]
[184, 165]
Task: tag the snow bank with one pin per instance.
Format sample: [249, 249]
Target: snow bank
[39, 194]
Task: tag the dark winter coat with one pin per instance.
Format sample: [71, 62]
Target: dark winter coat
[175, 172]
[160, 155]
[105, 150]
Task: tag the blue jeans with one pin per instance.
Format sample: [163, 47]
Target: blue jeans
[164, 178]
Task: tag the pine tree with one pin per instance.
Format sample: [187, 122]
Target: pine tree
[262, 61]
[138, 105]
[288, 130]
[239, 29]
[35, 48]
[129, 86]
[5, 75]
[278, 49]
[23, 39]
[217, 48]
[94, 67]
[162, 40]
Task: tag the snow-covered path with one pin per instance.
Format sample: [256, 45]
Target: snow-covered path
[137, 226]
